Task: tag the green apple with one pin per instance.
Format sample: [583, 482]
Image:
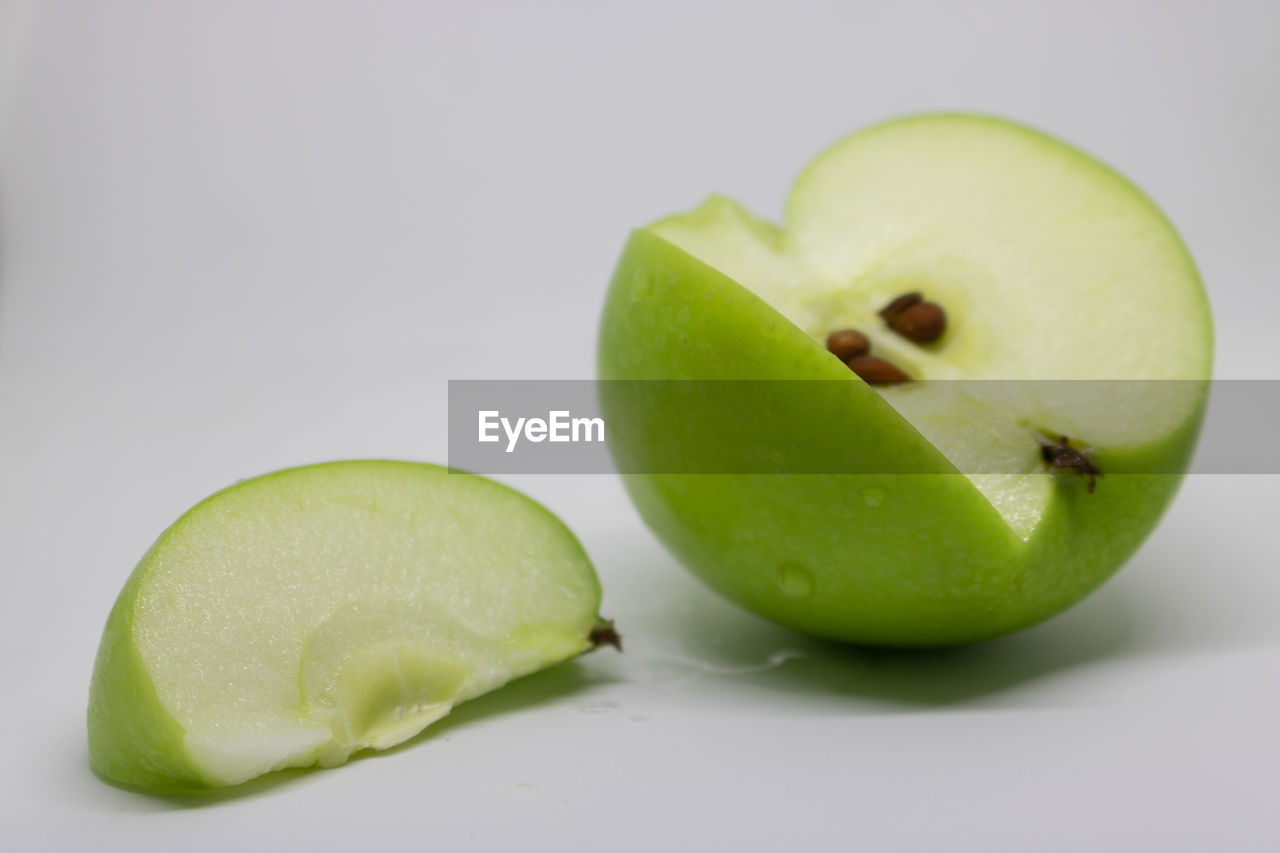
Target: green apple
[1049, 266]
[293, 619]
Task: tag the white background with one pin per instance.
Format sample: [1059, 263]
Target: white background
[240, 236]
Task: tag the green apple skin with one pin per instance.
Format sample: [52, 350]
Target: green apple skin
[133, 740]
[917, 560]
[136, 742]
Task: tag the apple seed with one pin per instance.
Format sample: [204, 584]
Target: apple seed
[877, 371]
[922, 323]
[847, 344]
[891, 311]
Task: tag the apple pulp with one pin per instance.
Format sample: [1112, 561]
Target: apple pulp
[1050, 266]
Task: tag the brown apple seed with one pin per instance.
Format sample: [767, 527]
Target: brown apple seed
[877, 371]
[891, 311]
[923, 322]
[848, 343]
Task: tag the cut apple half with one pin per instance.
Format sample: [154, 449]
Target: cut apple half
[1051, 267]
[1072, 310]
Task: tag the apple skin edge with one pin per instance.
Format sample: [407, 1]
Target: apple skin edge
[919, 560]
[133, 740]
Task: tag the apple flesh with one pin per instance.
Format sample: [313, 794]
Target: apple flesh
[1049, 266]
[296, 618]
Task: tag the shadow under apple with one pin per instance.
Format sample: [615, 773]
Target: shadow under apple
[703, 638]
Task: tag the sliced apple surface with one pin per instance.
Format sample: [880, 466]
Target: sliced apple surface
[1051, 268]
[294, 619]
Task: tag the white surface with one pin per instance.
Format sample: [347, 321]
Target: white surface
[242, 236]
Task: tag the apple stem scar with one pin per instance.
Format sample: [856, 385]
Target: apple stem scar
[1061, 456]
[604, 634]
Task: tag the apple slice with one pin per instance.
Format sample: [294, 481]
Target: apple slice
[296, 618]
[1049, 267]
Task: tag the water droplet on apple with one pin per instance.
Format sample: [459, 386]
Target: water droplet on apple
[795, 580]
[873, 496]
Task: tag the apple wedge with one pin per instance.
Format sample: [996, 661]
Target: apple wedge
[973, 517]
[293, 619]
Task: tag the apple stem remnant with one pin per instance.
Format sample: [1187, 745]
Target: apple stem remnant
[604, 634]
[1062, 456]
[915, 319]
